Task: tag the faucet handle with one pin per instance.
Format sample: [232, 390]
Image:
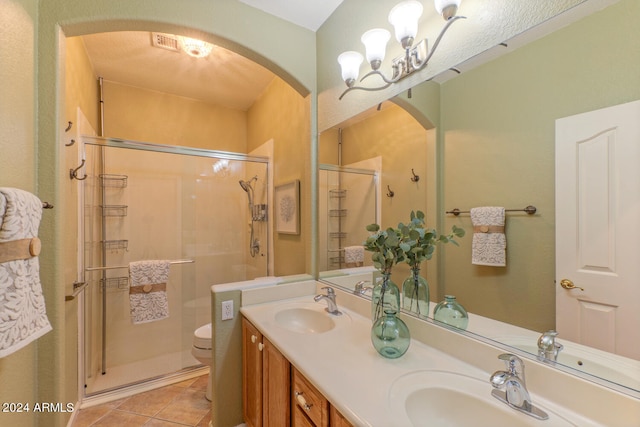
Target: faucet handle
[329, 289]
[547, 340]
[513, 362]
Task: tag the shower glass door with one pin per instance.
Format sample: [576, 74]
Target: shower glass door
[152, 202]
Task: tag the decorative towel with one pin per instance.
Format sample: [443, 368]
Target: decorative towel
[148, 290]
[23, 317]
[489, 245]
[354, 256]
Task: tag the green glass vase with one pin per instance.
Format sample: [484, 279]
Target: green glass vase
[385, 296]
[415, 294]
[451, 312]
[390, 335]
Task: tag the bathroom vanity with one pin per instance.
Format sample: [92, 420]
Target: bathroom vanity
[313, 352]
[277, 394]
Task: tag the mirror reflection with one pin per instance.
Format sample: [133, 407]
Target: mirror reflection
[498, 148]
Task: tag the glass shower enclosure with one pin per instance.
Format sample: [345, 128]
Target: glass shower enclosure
[154, 202]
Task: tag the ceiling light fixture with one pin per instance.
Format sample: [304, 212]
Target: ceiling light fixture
[404, 19]
[194, 47]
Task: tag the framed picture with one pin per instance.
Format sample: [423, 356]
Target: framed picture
[287, 207]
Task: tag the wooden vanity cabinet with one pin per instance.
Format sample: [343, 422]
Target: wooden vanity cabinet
[266, 381]
[274, 393]
[310, 408]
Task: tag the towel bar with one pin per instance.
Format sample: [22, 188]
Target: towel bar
[180, 261]
[529, 209]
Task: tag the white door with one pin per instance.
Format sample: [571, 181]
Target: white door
[598, 229]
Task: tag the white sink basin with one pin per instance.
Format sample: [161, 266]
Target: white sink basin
[305, 320]
[439, 398]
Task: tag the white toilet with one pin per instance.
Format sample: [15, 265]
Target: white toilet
[201, 350]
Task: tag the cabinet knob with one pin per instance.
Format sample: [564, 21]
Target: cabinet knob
[260, 346]
[253, 339]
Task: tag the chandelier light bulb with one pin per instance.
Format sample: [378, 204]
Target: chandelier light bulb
[404, 18]
[375, 43]
[447, 8]
[350, 64]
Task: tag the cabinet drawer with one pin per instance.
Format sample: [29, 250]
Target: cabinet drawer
[309, 400]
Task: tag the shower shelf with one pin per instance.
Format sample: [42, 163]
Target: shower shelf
[119, 283]
[337, 213]
[336, 260]
[114, 180]
[114, 210]
[115, 245]
[337, 193]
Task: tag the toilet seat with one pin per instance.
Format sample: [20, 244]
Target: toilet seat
[202, 337]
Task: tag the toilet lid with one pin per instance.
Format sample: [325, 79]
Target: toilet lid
[202, 337]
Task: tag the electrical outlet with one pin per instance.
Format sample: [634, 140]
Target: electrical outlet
[227, 310]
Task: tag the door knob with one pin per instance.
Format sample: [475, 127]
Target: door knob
[568, 284]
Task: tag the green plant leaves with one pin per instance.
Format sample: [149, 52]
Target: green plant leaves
[411, 243]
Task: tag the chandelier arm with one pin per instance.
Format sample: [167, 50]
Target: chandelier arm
[382, 76]
[369, 89]
[421, 65]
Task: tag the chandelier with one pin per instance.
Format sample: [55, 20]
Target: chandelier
[404, 19]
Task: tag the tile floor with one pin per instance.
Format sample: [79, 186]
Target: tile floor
[180, 404]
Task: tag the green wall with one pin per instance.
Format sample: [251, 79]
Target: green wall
[34, 115]
[498, 129]
[18, 377]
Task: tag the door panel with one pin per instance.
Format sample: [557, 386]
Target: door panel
[598, 228]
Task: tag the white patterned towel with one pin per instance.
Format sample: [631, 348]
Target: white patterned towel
[489, 245]
[23, 317]
[354, 255]
[148, 290]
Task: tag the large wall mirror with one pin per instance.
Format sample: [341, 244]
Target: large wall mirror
[495, 146]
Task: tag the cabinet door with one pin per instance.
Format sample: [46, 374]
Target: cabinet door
[336, 419]
[251, 374]
[276, 384]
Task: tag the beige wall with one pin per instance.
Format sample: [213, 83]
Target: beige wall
[498, 124]
[139, 114]
[283, 115]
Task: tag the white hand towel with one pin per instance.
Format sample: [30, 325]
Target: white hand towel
[23, 317]
[354, 255]
[148, 290]
[489, 245]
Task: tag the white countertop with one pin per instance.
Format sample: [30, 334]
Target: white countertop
[343, 364]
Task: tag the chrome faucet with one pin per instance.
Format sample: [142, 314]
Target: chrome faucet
[361, 289]
[516, 394]
[330, 297]
[548, 348]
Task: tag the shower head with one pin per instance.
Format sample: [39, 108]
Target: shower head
[246, 185]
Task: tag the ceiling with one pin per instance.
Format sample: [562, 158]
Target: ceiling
[223, 78]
